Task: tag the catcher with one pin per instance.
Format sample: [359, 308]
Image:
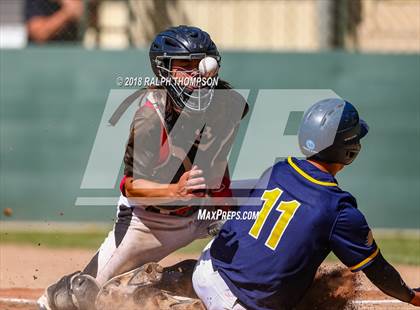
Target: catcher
[176, 152]
[271, 262]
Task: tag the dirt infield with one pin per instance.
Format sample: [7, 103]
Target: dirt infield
[26, 270]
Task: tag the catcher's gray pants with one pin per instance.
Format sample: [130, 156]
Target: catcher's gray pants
[141, 236]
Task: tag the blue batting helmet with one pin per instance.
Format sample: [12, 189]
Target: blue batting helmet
[330, 131]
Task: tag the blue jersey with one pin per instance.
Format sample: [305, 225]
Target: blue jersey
[270, 262]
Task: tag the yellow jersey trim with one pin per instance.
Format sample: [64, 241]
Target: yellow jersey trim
[307, 176]
[365, 261]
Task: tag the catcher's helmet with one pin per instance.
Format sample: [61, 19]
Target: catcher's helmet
[331, 130]
[182, 42]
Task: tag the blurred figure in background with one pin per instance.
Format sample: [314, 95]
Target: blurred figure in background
[53, 20]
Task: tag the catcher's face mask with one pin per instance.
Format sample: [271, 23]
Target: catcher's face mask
[184, 82]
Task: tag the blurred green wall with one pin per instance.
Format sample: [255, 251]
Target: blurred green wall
[52, 100]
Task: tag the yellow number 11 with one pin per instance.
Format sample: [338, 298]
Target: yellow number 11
[287, 209]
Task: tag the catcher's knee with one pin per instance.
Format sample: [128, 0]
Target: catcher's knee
[75, 291]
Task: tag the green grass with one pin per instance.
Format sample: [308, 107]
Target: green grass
[86, 240]
[401, 250]
[396, 248]
[195, 247]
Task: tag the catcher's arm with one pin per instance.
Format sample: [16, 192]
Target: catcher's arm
[155, 193]
[389, 281]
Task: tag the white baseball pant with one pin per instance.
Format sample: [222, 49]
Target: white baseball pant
[140, 237]
[210, 286]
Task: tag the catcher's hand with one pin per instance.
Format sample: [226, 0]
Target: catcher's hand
[190, 184]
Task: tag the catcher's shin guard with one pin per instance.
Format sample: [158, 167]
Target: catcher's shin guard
[85, 289]
[176, 279]
[152, 298]
[119, 292]
[141, 289]
[75, 291]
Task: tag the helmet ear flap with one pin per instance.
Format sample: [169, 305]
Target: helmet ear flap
[351, 155]
[342, 155]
